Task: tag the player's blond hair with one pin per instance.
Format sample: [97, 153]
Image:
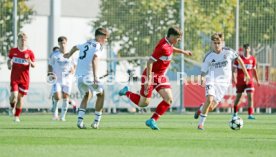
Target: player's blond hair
[217, 37]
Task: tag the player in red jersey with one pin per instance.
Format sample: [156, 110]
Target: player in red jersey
[154, 77]
[19, 62]
[238, 80]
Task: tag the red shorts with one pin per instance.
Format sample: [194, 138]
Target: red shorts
[159, 82]
[21, 87]
[248, 88]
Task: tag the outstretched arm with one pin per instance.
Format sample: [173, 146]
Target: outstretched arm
[71, 52]
[185, 52]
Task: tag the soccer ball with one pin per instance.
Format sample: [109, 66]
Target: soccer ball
[236, 123]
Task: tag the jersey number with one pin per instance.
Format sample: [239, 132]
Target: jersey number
[84, 52]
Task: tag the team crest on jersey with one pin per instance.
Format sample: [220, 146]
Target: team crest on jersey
[26, 56]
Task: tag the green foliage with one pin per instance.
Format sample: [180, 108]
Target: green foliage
[138, 24]
[6, 16]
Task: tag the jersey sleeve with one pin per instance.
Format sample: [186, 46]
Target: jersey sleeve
[98, 50]
[10, 54]
[51, 59]
[236, 64]
[233, 54]
[205, 65]
[254, 64]
[32, 56]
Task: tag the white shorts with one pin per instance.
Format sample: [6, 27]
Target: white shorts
[216, 90]
[59, 87]
[85, 84]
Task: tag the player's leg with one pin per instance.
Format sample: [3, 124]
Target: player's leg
[98, 110]
[163, 106]
[22, 91]
[66, 90]
[236, 103]
[250, 96]
[205, 109]
[56, 92]
[86, 95]
[64, 107]
[13, 97]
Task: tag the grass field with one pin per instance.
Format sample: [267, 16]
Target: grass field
[127, 136]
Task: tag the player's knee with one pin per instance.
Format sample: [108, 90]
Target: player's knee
[169, 100]
[144, 103]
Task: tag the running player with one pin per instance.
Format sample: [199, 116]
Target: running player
[19, 62]
[154, 77]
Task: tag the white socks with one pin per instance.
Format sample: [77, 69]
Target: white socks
[98, 116]
[55, 107]
[64, 109]
[81, 114]
[202, 119]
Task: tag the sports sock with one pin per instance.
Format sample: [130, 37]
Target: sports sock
[160, 110]
[202, 119]
[81, 114]
[64, 108]
[250, 110]
[17, 112]
[55, 107]
[236, 109]
[133, 97]
[98, 116]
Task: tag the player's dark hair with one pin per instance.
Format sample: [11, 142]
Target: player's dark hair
[101, 31]
[55, 48]
[62, 38]
[245, 46]
[174, 31]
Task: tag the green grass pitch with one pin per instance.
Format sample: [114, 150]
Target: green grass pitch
[127, 136]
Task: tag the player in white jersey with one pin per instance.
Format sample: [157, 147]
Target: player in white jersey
[86, 72]
[63, 70]
[217, 71]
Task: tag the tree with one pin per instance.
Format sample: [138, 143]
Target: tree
[138, 24]
[24, 16]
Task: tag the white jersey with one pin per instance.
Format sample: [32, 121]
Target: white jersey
[61, 66]
[219, 66]
[86, 54]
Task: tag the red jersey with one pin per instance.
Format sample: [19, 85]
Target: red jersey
[20, 64]
[162, 56]
[250, 64]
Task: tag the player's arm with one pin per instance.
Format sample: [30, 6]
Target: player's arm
[95, 61]
[247, 77]
[234, 72]
[32, 64]
[185, 52]
[71, 52]
[149, 69]
[9, 63]
[255, 75]
[202, 78]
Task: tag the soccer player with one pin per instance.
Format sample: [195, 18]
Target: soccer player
[87, 75]
[63, 70]
[238, 79]
[19, 62]
[216, 71]
[154, 77]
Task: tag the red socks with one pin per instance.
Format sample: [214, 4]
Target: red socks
[236, 108]
[160, 110]
[250, 110]
[133, 97]
[17, 112]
